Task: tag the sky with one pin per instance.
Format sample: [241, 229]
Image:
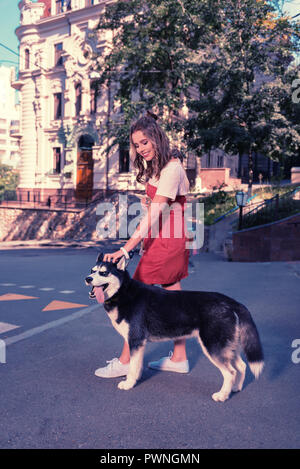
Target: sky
[9, 21]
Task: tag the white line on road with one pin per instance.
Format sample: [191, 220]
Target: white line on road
[49, 325]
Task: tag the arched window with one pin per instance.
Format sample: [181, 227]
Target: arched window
[123, 159]
[78, 98]
[94, 94]
[27, 59]
[86, 142]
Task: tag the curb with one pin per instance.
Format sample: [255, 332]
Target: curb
[34, 244]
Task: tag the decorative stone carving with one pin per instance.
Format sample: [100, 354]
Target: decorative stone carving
[31, 12]
[79, 130]
[78, 52]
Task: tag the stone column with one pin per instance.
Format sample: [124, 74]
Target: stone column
[28, 141]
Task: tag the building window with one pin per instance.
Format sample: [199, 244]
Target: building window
[123, 159]
[58, 60]
[56, 160]
[220, 161]
[57, 105]
[78, 98]
[94, 96]
[63, 5]
[59, 6]
[208, 159]
[27, 59]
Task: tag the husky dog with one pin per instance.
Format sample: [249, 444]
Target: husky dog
[141, 313]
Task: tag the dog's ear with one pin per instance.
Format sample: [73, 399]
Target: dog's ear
[100, 258]
[123, 262]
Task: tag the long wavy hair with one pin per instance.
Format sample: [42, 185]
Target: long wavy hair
[160, 141]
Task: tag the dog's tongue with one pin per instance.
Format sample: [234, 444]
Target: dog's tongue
[99, 294]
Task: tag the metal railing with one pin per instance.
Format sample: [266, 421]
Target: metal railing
[274, 202]
[30, 199]
[269, 209]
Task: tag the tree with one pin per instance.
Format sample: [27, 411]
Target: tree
[9, 179]
[240, 107]
[153, 58]
[226, 61]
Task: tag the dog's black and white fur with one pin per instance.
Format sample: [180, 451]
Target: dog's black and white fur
[142, 313]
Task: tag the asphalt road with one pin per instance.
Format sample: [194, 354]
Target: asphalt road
[50, 397]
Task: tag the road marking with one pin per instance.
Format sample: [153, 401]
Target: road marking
[7, 284]
[46, 289]
[55, 304]
[49, 325]
[66, 292]
[27, 286]
[5, 327]
[15, 296]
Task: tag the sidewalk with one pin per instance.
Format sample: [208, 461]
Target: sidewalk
[49, 243]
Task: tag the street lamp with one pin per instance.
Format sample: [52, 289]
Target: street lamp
[241, 200]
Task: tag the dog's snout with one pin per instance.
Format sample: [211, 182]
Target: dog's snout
[88, 279]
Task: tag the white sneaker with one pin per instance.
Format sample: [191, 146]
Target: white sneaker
[165, 364]
[114, 369]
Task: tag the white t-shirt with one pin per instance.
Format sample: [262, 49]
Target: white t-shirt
[173, 180]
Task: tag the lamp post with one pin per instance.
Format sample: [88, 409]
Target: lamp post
[241, 200]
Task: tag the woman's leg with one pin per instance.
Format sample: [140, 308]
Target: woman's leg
[179, 353]
[125, 354]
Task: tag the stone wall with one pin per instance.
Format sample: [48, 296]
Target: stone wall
[277, 241]
[212, 178]
[26, 224]
[20, 224]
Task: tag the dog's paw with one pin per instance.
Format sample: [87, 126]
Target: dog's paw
[125, 385]
[237, 387]
[220, 396]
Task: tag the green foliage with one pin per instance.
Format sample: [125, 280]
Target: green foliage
[154, 57]
[271, 213]
[228, 61]
[9, 180]
[217, 204]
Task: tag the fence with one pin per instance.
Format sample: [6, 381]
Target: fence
[30, 199]
[272, 209]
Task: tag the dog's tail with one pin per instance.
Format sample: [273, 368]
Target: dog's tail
[250, 341]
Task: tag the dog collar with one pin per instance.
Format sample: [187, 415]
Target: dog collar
[112, 301]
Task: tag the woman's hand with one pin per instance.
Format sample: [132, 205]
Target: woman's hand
[113, 256]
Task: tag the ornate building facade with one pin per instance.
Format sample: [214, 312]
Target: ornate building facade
[63, 152]
[9, 120]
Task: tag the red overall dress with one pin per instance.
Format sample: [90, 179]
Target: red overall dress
[165, 258]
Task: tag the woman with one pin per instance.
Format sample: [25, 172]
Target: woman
[165, 257]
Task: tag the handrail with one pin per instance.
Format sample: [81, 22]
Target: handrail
[232, 210]
[276, 199]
